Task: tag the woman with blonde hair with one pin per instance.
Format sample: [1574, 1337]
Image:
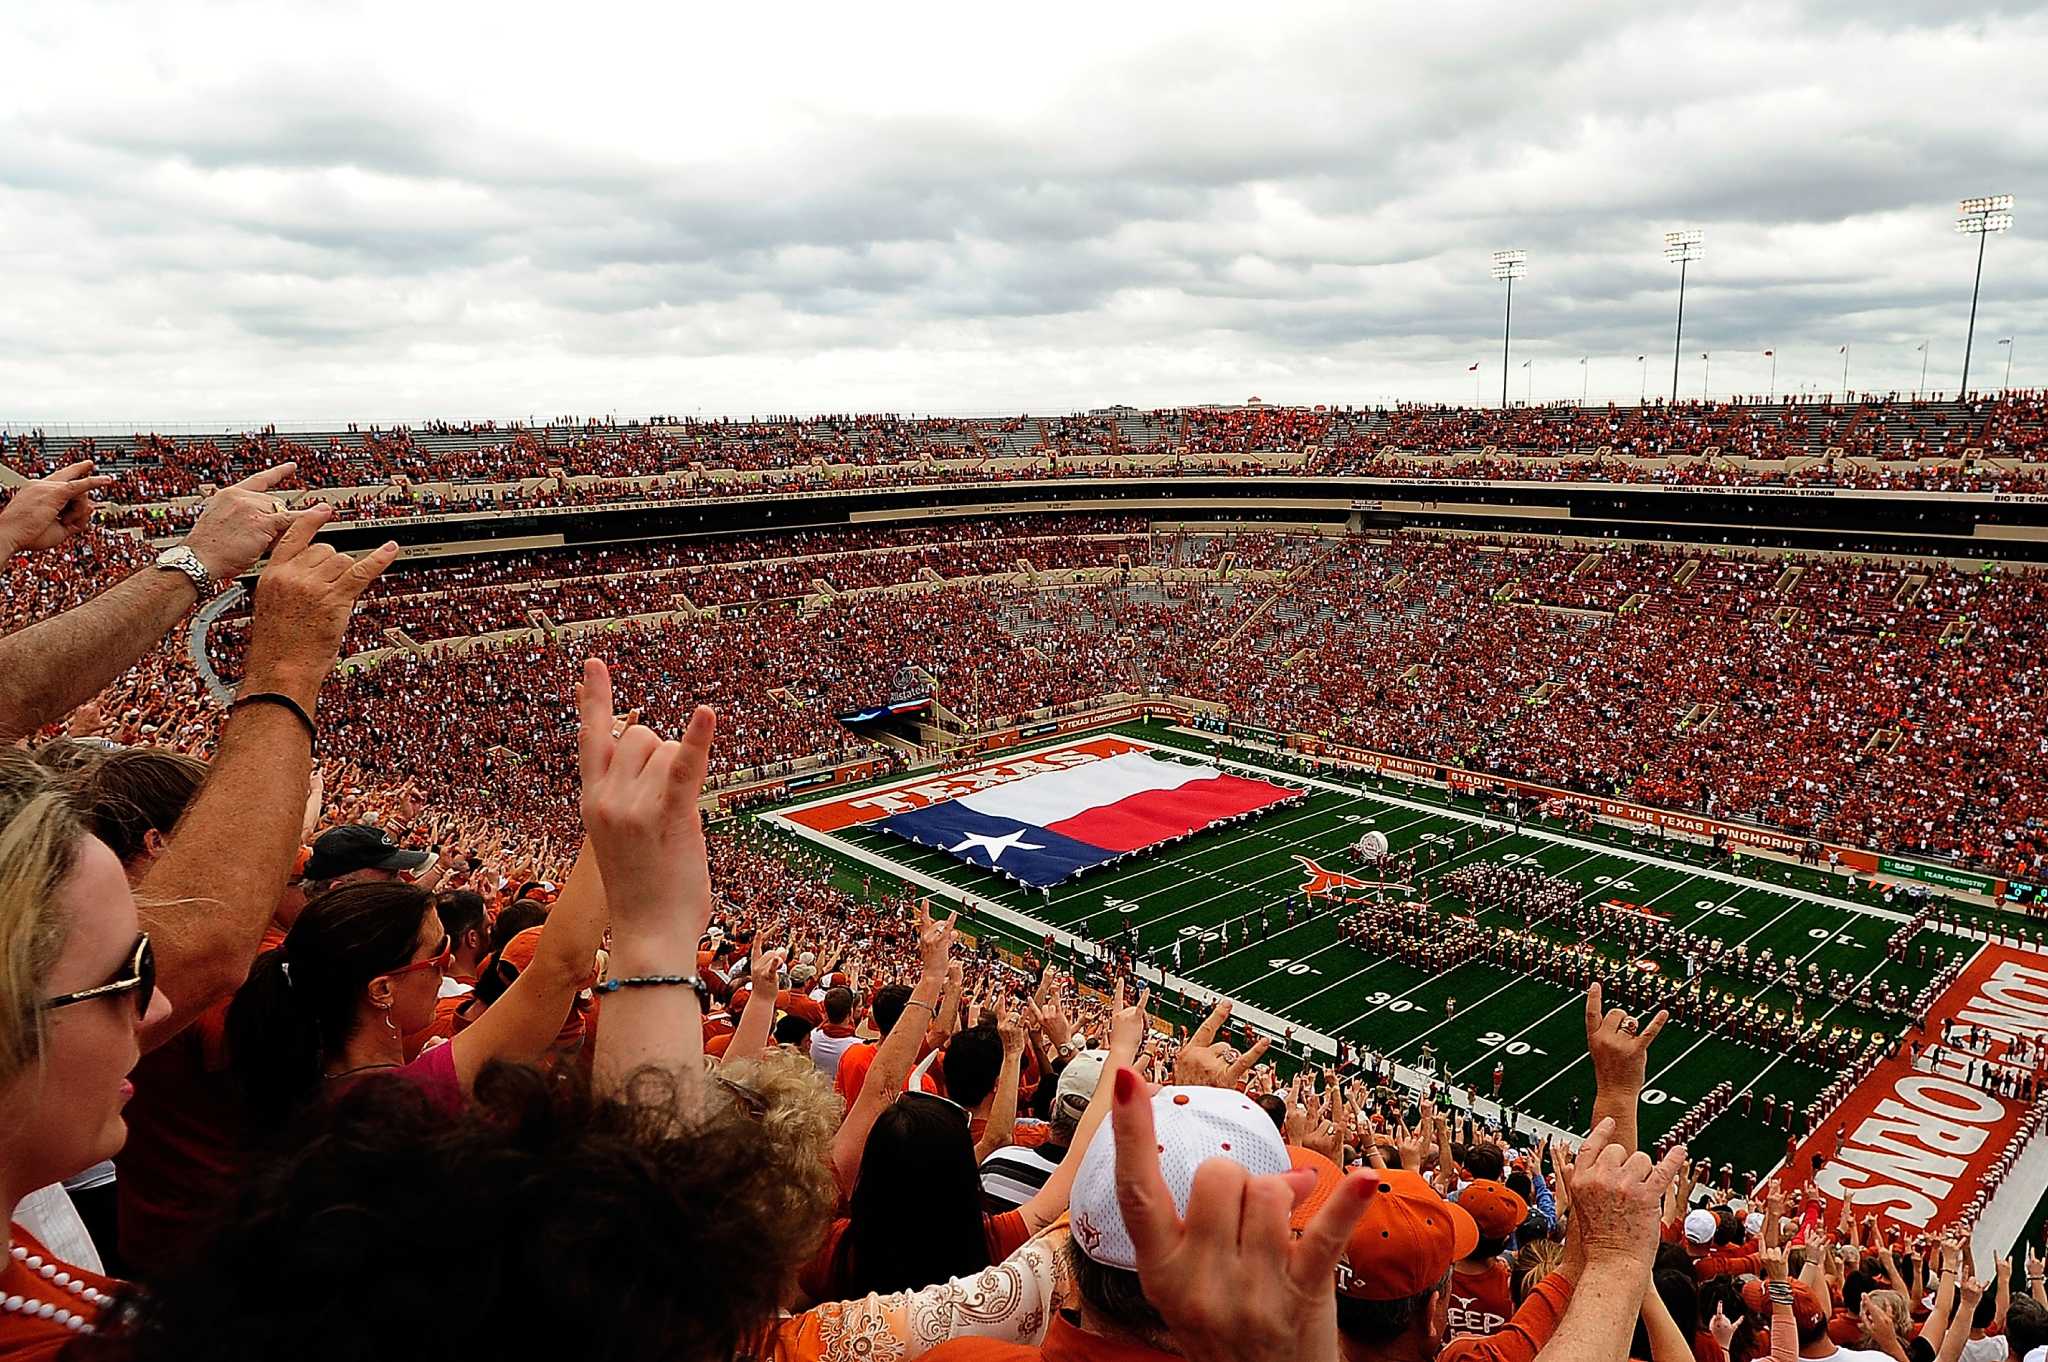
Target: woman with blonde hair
[77, 981]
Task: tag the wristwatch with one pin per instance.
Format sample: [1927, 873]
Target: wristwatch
[182, 559]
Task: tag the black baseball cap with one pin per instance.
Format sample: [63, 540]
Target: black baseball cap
[338, 851]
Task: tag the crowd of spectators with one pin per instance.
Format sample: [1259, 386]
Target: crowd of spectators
[1987, 444]
[349, 1037]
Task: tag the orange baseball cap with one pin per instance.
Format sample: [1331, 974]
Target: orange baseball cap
[1405, 1242]
[1497, 1211]
[1328, 1175]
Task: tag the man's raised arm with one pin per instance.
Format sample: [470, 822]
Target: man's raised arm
[208, 898]
[55, 665]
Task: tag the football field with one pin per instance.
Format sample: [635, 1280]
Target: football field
[1201, 890]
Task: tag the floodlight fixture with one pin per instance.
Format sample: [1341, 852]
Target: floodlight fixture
[1681, 248]
[1982, 216]
[1508, 266]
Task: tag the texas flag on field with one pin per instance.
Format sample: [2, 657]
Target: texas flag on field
[1049, 827]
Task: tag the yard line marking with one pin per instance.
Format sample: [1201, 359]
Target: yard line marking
[1580, 999]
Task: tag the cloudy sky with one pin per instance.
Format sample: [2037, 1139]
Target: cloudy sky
[224, 212]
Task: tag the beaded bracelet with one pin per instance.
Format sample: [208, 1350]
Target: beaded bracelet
[695, 983]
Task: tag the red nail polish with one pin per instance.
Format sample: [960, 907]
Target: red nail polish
[1126, 1085]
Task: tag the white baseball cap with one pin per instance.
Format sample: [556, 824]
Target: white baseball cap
[1078, 1079]
[1700, 1226]
[1193, 1125]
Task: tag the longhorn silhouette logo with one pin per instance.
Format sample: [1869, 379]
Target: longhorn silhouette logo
[1321, 881]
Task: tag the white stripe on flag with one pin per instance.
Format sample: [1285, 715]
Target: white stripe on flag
[1058, 795]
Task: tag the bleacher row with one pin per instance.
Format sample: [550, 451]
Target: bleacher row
[1985, 445]
[1887, 704]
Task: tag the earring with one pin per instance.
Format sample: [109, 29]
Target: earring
[390, 1025]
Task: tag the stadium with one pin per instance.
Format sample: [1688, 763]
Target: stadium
[1570, 873]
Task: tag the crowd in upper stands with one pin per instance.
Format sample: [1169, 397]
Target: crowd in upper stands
[1985, 444]
[381, 1029]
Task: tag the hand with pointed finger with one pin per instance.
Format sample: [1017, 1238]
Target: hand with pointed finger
[934, 941]
[1619, 1047]
[640, 798]
[303, 602]
[49, 511]
[240, 522]
[1128, 1026]
[1230, 1278]
[1618, 1197]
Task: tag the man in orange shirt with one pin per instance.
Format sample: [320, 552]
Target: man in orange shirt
[855, 1060]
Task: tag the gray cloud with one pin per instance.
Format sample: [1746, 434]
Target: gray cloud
[343, 212]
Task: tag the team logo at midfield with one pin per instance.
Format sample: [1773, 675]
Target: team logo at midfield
[1321, 881]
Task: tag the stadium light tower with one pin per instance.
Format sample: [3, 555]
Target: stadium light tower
[1508, 265]
[1684, 248]
[1981, 217]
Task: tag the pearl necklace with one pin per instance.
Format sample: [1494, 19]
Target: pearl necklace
[32, 1308]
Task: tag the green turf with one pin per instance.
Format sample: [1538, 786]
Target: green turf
[1532, 1027]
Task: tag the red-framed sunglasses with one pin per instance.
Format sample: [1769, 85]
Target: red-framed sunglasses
[438, 962]
[137, 977]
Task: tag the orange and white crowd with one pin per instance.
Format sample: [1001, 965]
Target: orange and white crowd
[305, 1058]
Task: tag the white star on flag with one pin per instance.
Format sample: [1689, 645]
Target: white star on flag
[996, 846]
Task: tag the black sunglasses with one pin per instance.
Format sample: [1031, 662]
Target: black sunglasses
[138, 978]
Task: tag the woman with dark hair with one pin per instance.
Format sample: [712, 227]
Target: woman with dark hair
[918, 1155]
[362, 967]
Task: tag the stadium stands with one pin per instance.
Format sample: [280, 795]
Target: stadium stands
[340, 1065]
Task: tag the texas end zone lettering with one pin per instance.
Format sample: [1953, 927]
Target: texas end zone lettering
[1919, 1141]
[834, 814]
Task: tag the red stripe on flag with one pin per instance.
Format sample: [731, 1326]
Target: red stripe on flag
[1153, 816]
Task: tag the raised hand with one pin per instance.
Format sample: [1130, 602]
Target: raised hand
[1199, 1063]
[765, 974]
[303, 602]
[241, 521]
[1618, 1198]
[49, 511]
[640, 807]
[1619, 1047]
[1128, 1026]
[934, 941]
[1230, 1278]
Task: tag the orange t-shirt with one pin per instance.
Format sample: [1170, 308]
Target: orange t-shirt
[1525, 1333]
[854, 1063]
[186, 1144]
[1482, 1301]
[1028, 1133]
